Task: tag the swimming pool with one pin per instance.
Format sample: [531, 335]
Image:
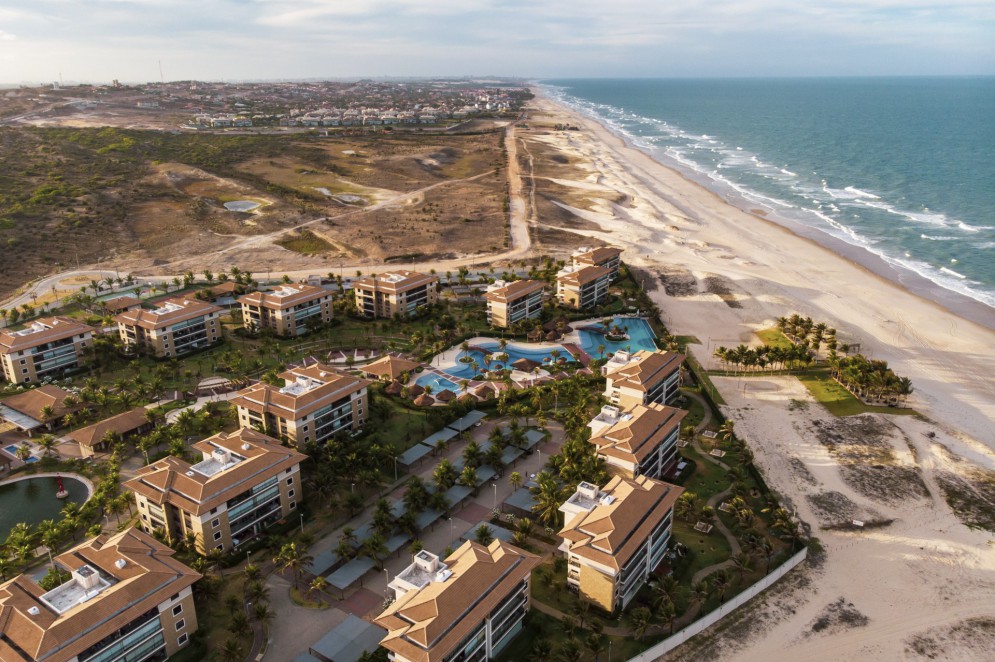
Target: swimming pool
[437, 383]
[12, 449]
[641, 336]
[481, 349]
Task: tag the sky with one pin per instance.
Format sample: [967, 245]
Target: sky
[101, 40]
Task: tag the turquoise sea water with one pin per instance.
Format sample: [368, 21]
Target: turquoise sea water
[901, 167]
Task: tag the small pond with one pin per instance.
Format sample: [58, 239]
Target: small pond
[33, 500]
[241, 205]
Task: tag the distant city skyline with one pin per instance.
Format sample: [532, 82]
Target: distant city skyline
[101, 40]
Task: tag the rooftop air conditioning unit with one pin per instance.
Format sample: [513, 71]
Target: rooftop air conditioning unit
[120, 564]
[34, 611]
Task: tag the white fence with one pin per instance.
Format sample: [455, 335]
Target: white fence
[679, 637]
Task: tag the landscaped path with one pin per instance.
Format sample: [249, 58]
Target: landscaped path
[717, 498]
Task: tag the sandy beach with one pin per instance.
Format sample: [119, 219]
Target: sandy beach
[915, 587]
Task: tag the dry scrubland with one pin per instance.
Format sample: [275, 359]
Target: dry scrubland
[138, 199]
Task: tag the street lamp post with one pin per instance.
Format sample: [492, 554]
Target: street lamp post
[302, 522]
[247, 606]
[352, 487]
[452, 534]
[494, 485]
[395, 469]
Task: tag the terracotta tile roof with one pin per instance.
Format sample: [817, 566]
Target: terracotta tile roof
[598, 255]
[40, 331]
[583, 275]
[324, 385]
[426, 624]
[389, 366]
[285, 296]
[121, 303]
[639, 432]
[148, 576]
[123, 424]
[169, 312]
[30, 403]
[514, 290]
[170, 481]
[646, 369]
[394, 281]
[611, 533]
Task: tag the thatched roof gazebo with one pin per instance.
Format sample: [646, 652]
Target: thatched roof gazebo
[484, 391]
[415, 390]
[553, 336]
[526, 365]
[445, 395]
[424, 400]
[394, 388]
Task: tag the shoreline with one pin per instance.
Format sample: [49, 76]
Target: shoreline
[671, 225]
[963, 306]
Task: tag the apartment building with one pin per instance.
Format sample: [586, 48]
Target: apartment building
[176, 327]
[315, 403]
[467, 608]
[289, 310]
[642, 378]
[582, 287]
[398, 293]
[127, 599]
[47, 348]
[510, 303]
[244, 482]
[615, 536]
[641, 441]
[606, 256]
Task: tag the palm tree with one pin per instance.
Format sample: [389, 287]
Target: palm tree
[317, 585]
[483, 535]
[293, 558]
[547, 499]
[262, 613]
[700, 592]
[515, 480]
[726, 432]
[376, 548]
[743, 563]
[720, 584]
[231, 650]
[640, 619]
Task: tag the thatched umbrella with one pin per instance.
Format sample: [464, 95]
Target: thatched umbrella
[415, 390]
[484, 391]
[445, 395]
[424, 400]
[526, 365]
[553, 336]
[394, 388]
[467, 397]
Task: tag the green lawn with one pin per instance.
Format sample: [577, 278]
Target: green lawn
[774, 338]
[837, 399]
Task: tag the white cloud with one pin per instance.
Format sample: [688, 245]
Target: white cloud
[287, 38]
[6, 36]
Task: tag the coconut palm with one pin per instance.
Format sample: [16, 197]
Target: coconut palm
[515, 480]
[293, 558]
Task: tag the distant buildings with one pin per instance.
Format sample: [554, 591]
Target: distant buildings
[395, 293]
[127, 599]
[245, 482]
[642, 378]
[639, 442]
[315, 404]
[466, 608]
[614, 537]
[510, 303]
[288, 310]
[582, 286]
[176, 327]
[606, 256]
[47, 348]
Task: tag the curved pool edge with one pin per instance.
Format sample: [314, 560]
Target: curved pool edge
[54, 474]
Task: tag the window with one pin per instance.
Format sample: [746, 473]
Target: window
[290, 481]
[177, 610]
[304, 428]
[220, 548]
[215, 523]
[217, 535]
[180, 624]
[293, 505]
[182, 640]
[291, 493]
[175, 596]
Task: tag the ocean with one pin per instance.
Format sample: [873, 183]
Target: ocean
[901, 167]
